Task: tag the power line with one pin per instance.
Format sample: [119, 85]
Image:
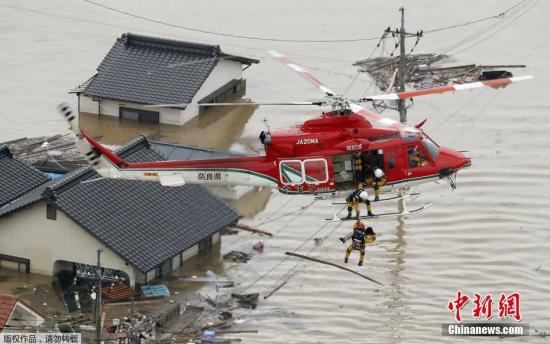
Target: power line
[257, 38]
[497, 16]
[273, 39]
[527, 8]
[490, 29]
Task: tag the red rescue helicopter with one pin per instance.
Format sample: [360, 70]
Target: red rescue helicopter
[317, 157]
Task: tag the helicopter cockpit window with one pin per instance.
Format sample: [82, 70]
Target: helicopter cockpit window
[416, 157]
[409, 136]
[431, 147]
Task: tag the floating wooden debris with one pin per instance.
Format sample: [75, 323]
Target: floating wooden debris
[247, 300]
[250, 229]
[419, 71]
[237, 256]
[60, 150]
[118, 292]
[275, 289]
[332, 264]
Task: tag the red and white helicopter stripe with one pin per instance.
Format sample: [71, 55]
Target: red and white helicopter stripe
[251, 170]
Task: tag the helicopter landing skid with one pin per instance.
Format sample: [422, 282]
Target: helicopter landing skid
[395, 213]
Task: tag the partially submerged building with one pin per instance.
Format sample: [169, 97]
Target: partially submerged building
[142, 70]
[16, 315]
[146, 230]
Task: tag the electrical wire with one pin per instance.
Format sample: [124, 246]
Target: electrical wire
[490, 30]
[382, 39]
[257, 38]
[527, 9]
[498, 16]
[274, 39]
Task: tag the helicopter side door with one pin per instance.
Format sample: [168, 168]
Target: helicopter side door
[304, 175]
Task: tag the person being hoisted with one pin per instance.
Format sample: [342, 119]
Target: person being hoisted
[360, 237]
[379, 180]
[355, 199]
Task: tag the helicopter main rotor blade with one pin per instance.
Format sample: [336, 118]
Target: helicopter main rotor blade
[300, 70]
[316, 103]
[496, 83]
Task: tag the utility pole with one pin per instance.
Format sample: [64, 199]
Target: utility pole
[402, 67]
[97, 275]
[98, 297]
[402, 70]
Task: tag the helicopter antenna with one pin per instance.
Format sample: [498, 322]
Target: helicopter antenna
[266, 122]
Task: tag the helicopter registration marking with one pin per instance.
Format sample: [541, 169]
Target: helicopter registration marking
[356, 147]
[307, 141]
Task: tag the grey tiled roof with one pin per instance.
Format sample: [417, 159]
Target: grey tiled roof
[152, 70]
[138, 150]
[143, 222]
[16, 178]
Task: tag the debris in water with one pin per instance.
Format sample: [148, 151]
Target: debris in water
[247, 300]
[237, 256]
[253, 230]
[258, 247]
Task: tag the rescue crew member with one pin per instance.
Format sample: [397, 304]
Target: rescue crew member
[358, 168]
[379, 180]
[359, 239]
[368, 167]
[414, 157]
[355, 199]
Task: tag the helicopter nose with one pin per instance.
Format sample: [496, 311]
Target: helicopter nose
[452, 160]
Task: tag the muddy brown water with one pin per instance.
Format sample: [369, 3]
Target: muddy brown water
[489, 236]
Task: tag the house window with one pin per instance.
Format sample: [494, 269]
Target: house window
[139, 115]
[205, 245]
[51, 212]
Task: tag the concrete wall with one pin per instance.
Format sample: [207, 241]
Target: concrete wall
[225, 71]
[29, 234]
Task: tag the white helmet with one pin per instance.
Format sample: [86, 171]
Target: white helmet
[378, 173]
[363, 195]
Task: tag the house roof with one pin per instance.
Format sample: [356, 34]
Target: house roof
[151, 70]
[143, 222]
[173, 151]
[17, 178]
[7, 304]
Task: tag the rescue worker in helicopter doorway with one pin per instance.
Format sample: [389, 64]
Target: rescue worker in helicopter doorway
[355, 199]
[379, 180]
[360, 238]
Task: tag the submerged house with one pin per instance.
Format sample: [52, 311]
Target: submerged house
[142, 70]
[18, 316]
[146, 230]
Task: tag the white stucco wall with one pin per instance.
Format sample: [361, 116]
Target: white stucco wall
[223, 72]
[29, 234]
[111, 108]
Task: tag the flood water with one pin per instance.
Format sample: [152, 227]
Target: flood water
[489, 236]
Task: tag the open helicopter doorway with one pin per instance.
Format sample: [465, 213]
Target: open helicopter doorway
[353, 169]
